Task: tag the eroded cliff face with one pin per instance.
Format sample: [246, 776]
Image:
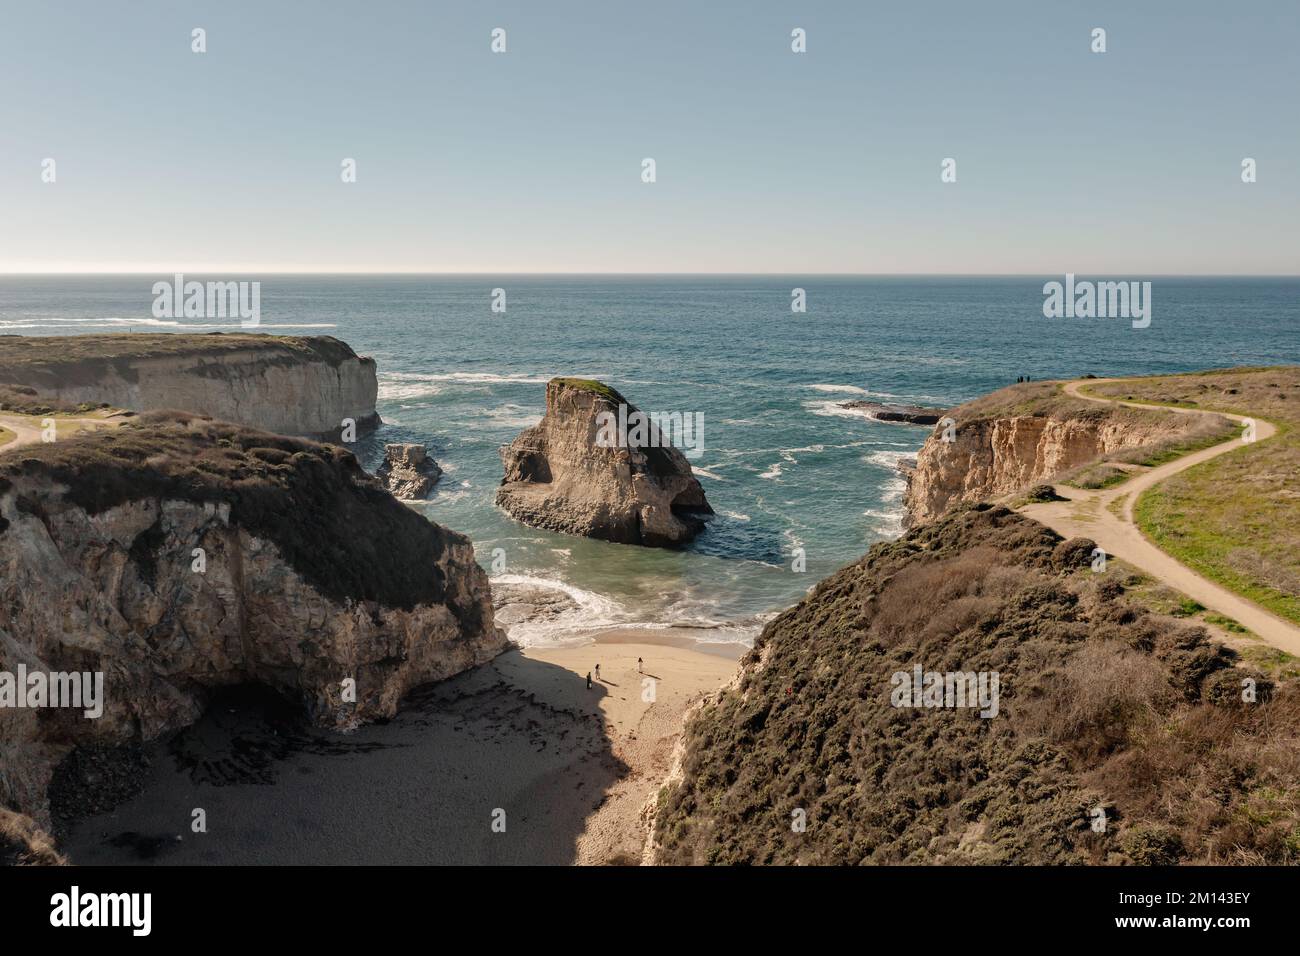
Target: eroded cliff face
[290, 385]
[993, 457]
[559, 477]
[183, 556]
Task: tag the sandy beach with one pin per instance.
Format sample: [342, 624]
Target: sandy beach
[522, 739]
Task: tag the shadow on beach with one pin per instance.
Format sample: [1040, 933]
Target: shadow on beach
[516, 735]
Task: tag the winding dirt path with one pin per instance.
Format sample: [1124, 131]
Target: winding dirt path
[1089, 514]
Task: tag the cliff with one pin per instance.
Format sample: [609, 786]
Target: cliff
[562, 475]
[284, 384]
[178, 555]
[1120, 736]
[1026, 434]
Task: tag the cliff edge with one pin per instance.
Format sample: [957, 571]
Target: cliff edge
[1026, 434]
[286, 384]
[176, 555]
[1116, 736]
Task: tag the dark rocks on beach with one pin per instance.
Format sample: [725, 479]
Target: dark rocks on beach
[908, 414]
[408, 471]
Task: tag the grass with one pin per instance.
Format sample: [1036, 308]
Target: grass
[1103, 703]
[1236, 518]
[6, 436]
[591, 385]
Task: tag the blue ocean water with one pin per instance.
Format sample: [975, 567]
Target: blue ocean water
[783, 465]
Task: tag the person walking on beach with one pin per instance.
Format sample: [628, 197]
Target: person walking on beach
[597, 672]
[638, 666]
[588, 680]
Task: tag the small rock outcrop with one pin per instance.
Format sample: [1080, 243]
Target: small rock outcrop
[177, 556]
[560, 475]
[407, 471]
[906, 414]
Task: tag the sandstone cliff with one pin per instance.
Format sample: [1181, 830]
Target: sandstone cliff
[179, 555]
[290, 385]
[1106, 712]
[1024, 435]
[558, 475]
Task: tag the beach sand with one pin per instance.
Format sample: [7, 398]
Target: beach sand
[521, 739]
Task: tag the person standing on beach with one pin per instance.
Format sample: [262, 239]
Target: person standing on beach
[588, 680]
[597, 672]
[638, 666]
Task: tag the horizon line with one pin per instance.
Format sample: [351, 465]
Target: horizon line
[213, 270]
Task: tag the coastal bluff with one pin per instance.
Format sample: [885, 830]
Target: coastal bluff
[1009, 440]
[177, 556]
[285, 384]
[561, 477]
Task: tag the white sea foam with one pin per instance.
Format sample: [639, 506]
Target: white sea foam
[573, 625]
[774, 471]
[851, 390]
[705, 473]
[514, 416]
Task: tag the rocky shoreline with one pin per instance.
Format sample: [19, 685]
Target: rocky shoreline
[905, 414]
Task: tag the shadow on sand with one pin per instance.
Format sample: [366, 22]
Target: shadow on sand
[517, 742]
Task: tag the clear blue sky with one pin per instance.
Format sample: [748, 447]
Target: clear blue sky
[768, 161]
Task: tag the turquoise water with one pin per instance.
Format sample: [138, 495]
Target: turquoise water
[782, 465]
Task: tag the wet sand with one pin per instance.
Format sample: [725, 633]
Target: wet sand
[520, 741]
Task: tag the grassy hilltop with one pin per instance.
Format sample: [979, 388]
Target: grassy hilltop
[1103, 705]
[1234, 519]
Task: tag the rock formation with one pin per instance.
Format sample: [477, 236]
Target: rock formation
[177, 556]
[284, 384]
[558, 477]
[907, 414]
[408, 471]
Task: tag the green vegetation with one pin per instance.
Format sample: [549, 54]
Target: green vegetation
[335, 526]
[1236, 518]
[1102, 704]
[1225, 622]
[591, 385]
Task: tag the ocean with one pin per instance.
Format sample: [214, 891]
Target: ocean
[787, 470]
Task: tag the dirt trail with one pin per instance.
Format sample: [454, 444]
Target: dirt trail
[1089, 514]
[29, 433]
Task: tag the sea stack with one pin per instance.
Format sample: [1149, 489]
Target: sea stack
[563, 474]
[408, 472]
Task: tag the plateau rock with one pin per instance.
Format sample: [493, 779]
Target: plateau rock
[286, 384]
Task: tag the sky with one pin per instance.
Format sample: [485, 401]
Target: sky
[766, 161]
